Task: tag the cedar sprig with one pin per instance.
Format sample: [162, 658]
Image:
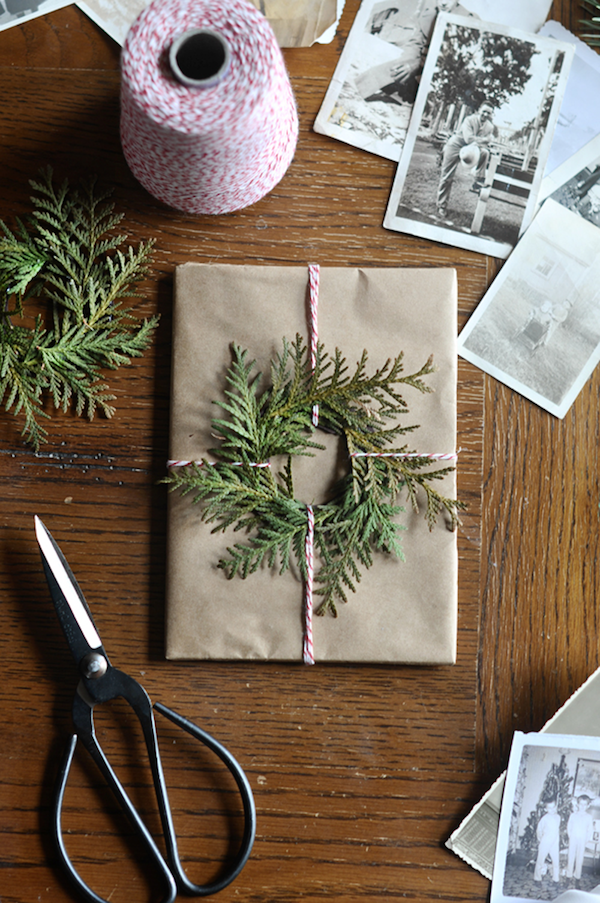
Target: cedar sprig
[263, 423]
[591, 37]
[68, 251]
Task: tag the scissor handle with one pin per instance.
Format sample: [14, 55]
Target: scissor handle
[131, 812]
[120, 684]
[243, 785]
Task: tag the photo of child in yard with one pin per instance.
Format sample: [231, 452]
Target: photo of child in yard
[537, 328]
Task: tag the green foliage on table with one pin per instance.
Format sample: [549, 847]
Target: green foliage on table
[592, 36]
[68, 254]
[262, 423]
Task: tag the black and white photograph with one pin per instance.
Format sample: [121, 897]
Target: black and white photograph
[537, 328]
[548, 845]
[576, 184]
[373, 90]
[577, 122]
[15, 12]
[371, 96]
[479, 136]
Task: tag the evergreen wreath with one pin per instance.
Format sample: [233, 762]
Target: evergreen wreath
[67, 253]
[240, 490]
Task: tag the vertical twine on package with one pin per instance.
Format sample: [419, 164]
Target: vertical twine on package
[308, 652]
[211, 128]
[314, 273]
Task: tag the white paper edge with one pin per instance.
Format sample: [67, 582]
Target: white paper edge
[330, 33]
[493, 797]
[550, 209]
[455, 237]
[570, 168]
[521, 739]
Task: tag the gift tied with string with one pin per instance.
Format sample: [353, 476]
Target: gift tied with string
[400, 607]
[208, 118]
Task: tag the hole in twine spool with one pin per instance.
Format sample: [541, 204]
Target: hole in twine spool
[199, 58]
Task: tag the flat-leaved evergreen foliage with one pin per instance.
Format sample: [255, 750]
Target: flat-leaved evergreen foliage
[261, 423]
[68, 254]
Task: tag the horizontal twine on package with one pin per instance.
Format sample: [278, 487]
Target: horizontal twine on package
[208, 118]
[434, 456]
[183, 463]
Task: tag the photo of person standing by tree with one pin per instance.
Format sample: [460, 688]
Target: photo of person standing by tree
[496, 91]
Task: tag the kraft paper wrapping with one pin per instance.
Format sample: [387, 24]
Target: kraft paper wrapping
[298, 23]
[403, 611]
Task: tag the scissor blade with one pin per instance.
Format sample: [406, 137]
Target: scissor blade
[70, 604]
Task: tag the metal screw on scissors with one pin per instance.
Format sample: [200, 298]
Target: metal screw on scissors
[100, 682]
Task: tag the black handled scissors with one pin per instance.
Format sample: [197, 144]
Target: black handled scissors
[100, 682]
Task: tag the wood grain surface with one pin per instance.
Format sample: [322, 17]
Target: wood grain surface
[359, 773]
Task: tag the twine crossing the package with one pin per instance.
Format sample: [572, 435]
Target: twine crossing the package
[308, 656]
[313, 323]
[208, 118]
[308, 653]
[434, 456]
[175, 462]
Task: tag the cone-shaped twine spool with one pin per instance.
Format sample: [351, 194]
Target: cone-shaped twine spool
[208, 117]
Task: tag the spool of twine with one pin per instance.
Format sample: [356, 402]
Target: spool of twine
[208, 117]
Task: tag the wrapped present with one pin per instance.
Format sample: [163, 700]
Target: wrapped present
[402, 611]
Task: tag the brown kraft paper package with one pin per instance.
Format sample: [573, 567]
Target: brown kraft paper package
[402, 611]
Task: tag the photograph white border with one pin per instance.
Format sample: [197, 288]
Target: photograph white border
[574, 745]
[578, 118]
[589, 155]
[363, 51]
[442, 232]
[567, 241]
[115, 17]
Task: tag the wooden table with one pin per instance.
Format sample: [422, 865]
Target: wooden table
[360, 773]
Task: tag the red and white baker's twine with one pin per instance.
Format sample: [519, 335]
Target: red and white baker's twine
[206, 150]
[434, 456]
[308, 655]
[313, 323]
[185, 463]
